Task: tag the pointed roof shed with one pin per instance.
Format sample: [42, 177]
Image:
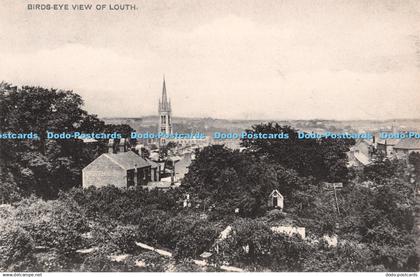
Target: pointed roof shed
[276, 193]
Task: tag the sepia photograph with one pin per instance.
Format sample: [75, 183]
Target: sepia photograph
[221, 137]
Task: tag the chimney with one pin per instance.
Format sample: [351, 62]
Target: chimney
[111, 146]
[115, 143]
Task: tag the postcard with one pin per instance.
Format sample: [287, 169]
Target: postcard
[232, 137]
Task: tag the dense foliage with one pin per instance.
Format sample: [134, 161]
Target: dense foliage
[224, 179]
[322, 158]
[45, 166]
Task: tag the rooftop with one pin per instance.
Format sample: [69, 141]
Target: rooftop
[410, 144]
[127, 160]
[388, 141]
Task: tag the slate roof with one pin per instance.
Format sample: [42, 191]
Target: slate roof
[388, 141]
[126, 160]
[410, 144]
[359, 141]
[362, 158]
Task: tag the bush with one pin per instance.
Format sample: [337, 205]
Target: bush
[9, 192]
[125, 237]
[16, 249]
[99, 260]
[53, 224]
[197, 240]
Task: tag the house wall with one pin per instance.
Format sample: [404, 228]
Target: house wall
[158, 174]
[104, 171]
[143, 176]
[387, 150]
[155, 175]
[280, 202]
[381, 148]
[101, 178]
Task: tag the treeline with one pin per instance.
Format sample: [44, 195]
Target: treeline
[375, 231]
[226, 179]
[372, 215]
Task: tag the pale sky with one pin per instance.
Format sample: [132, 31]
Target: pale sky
[251, 59]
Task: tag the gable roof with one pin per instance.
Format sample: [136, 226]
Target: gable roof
[125, 160]
[410, 144]
[275, 193]
[362, 158]
[128, 160]
[152, 163]
[363, 141]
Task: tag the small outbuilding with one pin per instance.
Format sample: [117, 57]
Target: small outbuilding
[276, 200]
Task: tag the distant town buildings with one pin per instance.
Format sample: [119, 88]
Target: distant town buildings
[361, 153]
[123, 167]
[406, 146]
[385, 147]
[365, 151]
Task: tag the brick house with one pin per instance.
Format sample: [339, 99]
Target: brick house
[122, 170]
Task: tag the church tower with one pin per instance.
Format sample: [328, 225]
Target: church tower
[165, 120]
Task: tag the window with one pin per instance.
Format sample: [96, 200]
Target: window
[139, 176]
[130, 178]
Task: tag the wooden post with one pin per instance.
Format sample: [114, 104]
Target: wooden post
[336, 200]
[173, 173]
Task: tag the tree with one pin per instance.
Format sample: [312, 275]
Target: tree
[9, 191]
[381, 216]
[230, 179]
[323, 158]
[414, 159]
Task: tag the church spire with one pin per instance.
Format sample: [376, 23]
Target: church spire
[165, 119]
[164, 104]
[164, 96]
